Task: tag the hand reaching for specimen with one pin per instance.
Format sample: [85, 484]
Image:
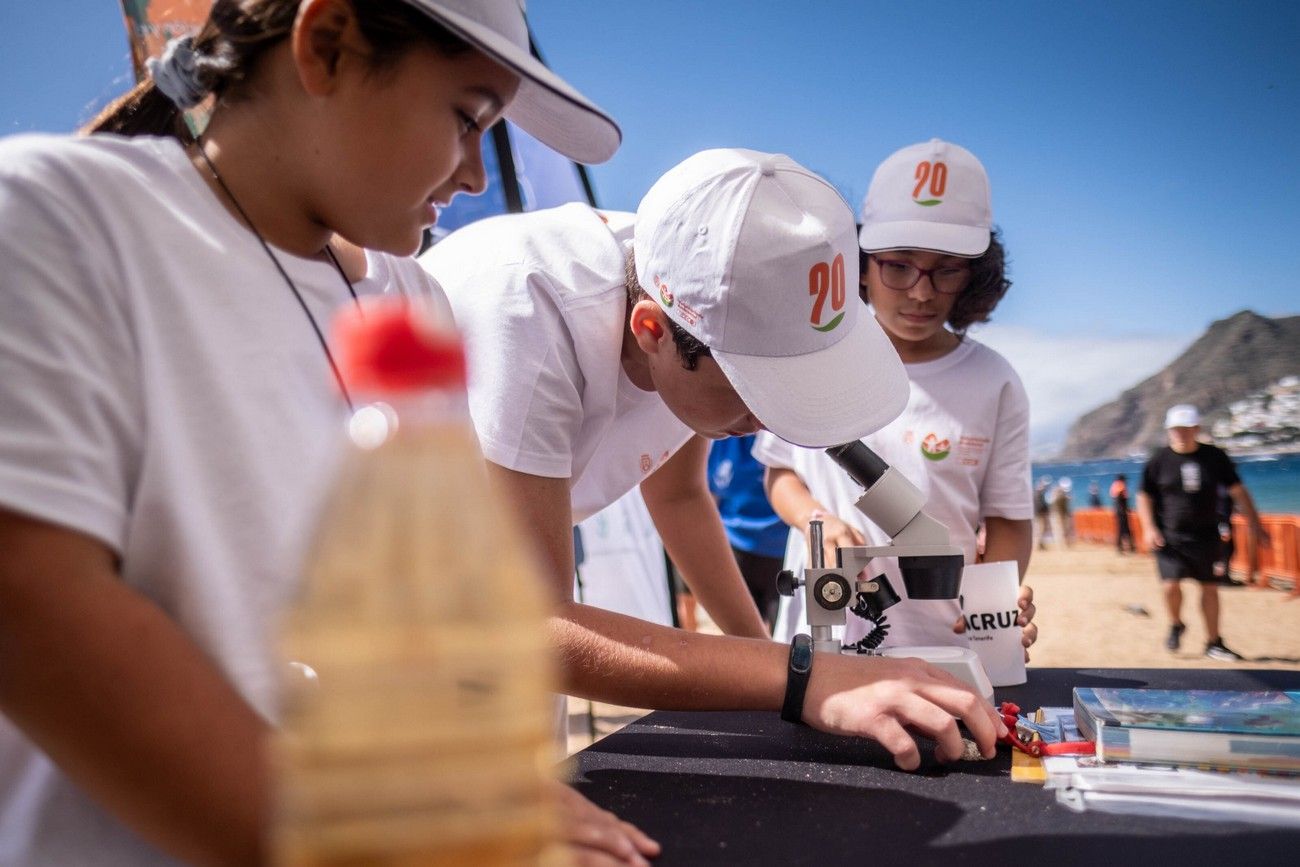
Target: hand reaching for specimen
[882, 698]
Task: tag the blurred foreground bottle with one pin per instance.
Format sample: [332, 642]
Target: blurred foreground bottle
[426, 737]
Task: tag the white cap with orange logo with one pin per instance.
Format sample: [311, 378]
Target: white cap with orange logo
[545, 105]
[755, 256]
[928, 196]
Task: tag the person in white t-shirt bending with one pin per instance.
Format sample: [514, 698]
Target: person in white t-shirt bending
[931, 268]
[606, 349]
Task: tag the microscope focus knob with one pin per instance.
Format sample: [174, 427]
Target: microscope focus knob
[786, 583]
[832, 592]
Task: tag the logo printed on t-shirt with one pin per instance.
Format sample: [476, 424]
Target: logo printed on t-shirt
[935, 449]
[970, 450]
[1191, 475]
[646, 463]
[937, 176]
[664, 295]
[827, 280]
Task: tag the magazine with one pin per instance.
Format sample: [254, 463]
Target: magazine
[1235, 730]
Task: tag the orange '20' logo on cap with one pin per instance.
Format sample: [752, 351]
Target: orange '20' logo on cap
[827, 280]
[937, 176]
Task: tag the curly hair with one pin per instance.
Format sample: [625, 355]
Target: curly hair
[988, 284]
[689, 348]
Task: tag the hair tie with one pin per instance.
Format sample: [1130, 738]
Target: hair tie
[176, 73]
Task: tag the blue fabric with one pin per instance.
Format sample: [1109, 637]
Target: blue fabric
[736, 479]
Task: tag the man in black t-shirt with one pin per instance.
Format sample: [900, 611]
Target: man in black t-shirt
[1179, 507]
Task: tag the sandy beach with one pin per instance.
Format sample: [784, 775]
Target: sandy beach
[1088, 598]
[1090, 603]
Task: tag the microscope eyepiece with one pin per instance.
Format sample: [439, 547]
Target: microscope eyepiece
[862, 464]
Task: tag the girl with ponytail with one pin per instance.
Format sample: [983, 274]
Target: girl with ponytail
[164, 385]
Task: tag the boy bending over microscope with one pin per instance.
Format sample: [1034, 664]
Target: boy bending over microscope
[608, 348]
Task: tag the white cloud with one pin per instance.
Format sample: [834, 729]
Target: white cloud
[1068, 374]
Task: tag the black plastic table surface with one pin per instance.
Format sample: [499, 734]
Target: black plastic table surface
[747, 788]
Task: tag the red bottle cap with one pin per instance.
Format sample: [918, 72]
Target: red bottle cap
[395, 345]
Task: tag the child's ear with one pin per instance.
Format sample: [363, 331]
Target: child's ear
[324, 29]
[649, 326]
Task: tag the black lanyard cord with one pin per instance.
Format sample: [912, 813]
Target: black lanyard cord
[302, 302]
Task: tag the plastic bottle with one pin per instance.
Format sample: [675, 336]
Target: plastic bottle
[426, 738]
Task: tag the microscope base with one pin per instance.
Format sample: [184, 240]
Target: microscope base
[961, 662]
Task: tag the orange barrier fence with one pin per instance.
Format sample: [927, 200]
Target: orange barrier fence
[1279, 558]
[1098, 525]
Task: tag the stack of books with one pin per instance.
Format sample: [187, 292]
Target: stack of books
[1250, 731]
[1232, 756]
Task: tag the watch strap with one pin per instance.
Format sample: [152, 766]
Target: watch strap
[796, 680]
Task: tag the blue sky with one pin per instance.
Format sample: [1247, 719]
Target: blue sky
[1144, 157]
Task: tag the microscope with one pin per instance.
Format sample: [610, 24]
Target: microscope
[930, 565]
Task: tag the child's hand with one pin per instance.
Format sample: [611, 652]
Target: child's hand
[882, 698]
[835, 534]
[593, 836]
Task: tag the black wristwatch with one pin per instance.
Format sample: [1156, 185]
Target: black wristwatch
[796, 681]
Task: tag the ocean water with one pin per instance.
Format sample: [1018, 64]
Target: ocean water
[1273, 480]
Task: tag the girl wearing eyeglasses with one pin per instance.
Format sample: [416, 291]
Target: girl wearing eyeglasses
[931, 267]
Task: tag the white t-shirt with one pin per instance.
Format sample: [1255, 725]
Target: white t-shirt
[963, 440]
[541, 301]
[162, 391]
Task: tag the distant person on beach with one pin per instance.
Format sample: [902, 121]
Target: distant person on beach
[1179, 507]
[1042, 521]
[1119, 501]
[932, 266]
[1061, 515]
[1228, 545]
[1094, 495]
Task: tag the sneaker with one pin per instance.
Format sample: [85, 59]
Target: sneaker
[1218, 650]
[1175, 636]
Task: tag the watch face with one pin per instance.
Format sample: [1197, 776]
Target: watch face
[801, 654]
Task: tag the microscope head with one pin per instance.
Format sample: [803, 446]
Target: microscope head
[936, 576]
[930, 565]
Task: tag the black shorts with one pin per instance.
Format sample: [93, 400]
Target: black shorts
[760, 577]
[1189, 559]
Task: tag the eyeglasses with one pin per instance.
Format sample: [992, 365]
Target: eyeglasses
[901, 275]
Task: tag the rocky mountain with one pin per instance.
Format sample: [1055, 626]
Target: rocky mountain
[1235, 357]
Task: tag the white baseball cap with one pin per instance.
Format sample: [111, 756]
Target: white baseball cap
[755, 256]
[929, 196]
[545, 105]
[1182, 415]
